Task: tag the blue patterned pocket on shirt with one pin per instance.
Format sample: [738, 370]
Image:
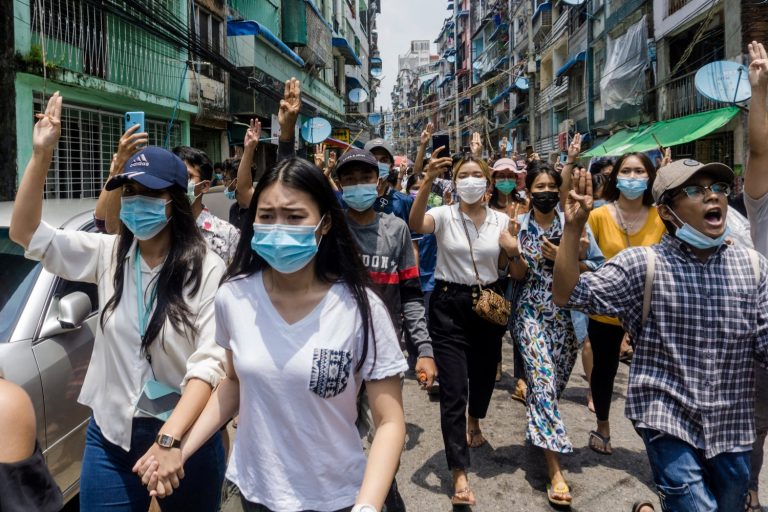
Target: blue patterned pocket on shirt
[330, 372]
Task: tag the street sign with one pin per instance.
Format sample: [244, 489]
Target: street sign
[341, 134]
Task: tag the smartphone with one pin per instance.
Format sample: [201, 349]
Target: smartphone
[441, 140]
[555, 240]
[132, 118]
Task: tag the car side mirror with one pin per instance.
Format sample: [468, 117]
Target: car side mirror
[70, 313]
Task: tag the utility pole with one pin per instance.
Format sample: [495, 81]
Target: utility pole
[456, 7]
[531, 73]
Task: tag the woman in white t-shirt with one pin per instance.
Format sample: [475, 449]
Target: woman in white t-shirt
[467, 347]
[302, 332]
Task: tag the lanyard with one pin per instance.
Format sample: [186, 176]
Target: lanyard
[143, 309]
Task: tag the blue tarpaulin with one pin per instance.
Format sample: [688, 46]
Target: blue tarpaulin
[254, 28]
[350, 57]
[580, 57]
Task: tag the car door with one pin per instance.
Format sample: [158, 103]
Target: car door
[62, 360]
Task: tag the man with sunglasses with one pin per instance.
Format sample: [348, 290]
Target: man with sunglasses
[698, 310]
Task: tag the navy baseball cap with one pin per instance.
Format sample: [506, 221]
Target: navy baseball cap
[357, 156]
[155, 168]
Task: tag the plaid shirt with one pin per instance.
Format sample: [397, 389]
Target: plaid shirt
[692, 375]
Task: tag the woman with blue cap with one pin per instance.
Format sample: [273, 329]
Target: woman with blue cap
[154, 362]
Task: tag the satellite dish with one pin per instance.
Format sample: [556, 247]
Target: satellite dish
[522, 83]
[315, 130]
[358, 95]
[573, 2]
[374, 118]
[376, 72]
[724, 81]
[451, 58]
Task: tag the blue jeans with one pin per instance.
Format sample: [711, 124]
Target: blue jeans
[107, 482]
[688, 482]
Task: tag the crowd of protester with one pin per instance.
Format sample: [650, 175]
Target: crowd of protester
[292, 317]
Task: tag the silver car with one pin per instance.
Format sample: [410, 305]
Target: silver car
[47, 327]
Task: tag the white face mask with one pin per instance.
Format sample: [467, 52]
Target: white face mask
[471, 190]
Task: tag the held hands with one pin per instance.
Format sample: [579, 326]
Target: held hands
[161, 470]
[47, 130]
[437, 166]
[476, 146]
[289, 106]
[758, 66]
[426, 371]
[578, 204]
[574, 149]
[426, 134]
[252, 135]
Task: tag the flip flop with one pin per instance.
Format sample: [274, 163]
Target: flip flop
[471, 435]
[463, 496]
[560, 488]
[606, 442]
[751, 506]
[640, 504]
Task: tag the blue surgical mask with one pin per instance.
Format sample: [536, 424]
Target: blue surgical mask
[191, 185]
[696, 238]
[284, 247]
[506, 186]
[219, 177]
[360, 197]
[229, 194]
[632, 188]
[143, 216]
[383, 170]
[598, 203]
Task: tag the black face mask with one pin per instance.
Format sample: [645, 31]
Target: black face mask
[545, 202]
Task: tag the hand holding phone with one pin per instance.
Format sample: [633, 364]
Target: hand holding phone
[133, 119]
[438, 141]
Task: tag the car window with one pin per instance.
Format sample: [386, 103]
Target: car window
[17, 278]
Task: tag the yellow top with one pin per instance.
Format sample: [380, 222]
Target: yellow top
[612, 239]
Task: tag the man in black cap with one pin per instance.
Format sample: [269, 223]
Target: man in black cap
[390, 200]
[697, 309]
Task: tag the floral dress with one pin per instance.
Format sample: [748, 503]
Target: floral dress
[544, 333]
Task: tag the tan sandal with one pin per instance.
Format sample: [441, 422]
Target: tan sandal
[559, 494]
[463, 496]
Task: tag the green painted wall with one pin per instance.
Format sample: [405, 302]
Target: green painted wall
[266, 12]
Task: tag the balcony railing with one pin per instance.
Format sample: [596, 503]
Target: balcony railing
[621, 11]
[676, 5]
[679, 97]
[550, 93]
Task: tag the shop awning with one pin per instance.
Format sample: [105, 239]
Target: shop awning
[503, 94]
[445, 80]
[464, 101]
[546, 6]
[250, 27]
[665, 133]
[346, 51]
[352, 83]
[580, 57]
[462, 13]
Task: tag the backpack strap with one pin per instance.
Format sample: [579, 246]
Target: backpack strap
[649, 274]
[754, 259]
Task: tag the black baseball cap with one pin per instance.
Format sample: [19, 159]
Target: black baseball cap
[155, 168]
[359, 157]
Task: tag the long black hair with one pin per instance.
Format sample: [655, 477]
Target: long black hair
[538, 168]
[183, 267]
[611, 191]
[338, 257]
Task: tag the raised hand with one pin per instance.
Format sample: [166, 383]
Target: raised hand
[47, 129]
[508, 237]
[426, 134]
[320, 156]
[331, 161]
[437, 166]
[579, 201]
[758, 65]
[289, 105]
[476, 146]
[252, 135]
[129, 144]
[667, 157]
[574, 148]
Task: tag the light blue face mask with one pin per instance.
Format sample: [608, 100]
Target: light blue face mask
[598, 203]
[143, 216]
[383, 170]
[285, 248]
[506, 186]
[360, 197]
[229, 194]
[632, 188]
[696, 238]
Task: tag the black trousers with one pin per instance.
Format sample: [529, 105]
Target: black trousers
[467, 350]
[606, 347]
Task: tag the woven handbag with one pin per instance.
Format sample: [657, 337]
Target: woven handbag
[490, 306]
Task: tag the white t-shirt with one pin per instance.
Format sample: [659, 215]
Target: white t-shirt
[454, 263]
[297, 447]
[757, 213]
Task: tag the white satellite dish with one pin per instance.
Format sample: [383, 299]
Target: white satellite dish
[724, 81]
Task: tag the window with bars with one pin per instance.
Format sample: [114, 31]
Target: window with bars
[210, 32]
[89, 138]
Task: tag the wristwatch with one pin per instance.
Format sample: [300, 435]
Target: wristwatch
[166, 441]
[364, 508]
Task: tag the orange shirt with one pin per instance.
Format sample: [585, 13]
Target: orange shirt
[611, 239]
